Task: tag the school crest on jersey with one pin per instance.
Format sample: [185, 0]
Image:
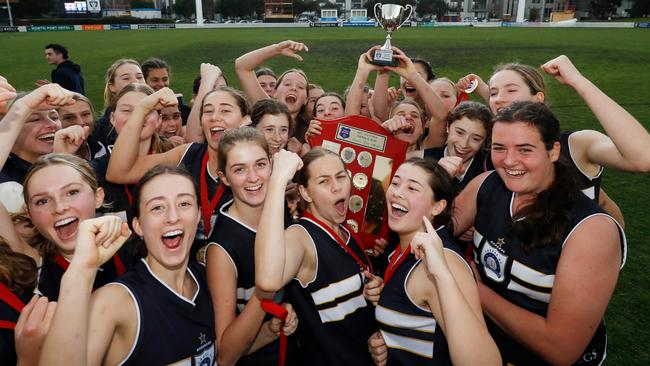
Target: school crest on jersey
[494, 260]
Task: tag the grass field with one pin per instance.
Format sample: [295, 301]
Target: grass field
[617, 60]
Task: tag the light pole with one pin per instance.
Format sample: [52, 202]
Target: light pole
[11, 20]
[199, 13]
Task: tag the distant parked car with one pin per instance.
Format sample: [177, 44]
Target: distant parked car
[243, 21]
[257, 21]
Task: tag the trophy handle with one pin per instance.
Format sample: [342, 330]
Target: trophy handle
[410, 9]
[377, 6]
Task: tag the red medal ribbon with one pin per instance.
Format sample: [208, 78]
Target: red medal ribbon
[129, 197]
[5, 324]
[462, 96]
[281, 313]
[368, 266]
[117, 261]
[208, 206]
[62, 262]
[12, 300]
[395, 262]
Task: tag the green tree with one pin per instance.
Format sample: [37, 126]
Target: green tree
[185, 8]
[640, 8]
[604, 8]
[301, 6]
[31, 8]
[440, 8]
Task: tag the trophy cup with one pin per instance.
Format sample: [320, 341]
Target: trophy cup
[390, 17]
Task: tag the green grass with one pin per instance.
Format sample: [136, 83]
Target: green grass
[614, 59]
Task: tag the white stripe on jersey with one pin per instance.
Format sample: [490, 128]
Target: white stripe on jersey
[537, 295]
[531, 276]
[399, 320]
[340, 311]
[415, 346]
[477, 238]
[337, 290]
[244, 294]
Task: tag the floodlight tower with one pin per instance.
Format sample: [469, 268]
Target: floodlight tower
[199, 13]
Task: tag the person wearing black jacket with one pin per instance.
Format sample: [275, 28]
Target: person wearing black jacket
[67, 73]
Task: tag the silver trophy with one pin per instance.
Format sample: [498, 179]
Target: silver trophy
[391, 17]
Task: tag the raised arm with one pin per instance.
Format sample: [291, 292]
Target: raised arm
[585, 279]
[126, 166]
[456, 296]
[49, 96]
[625, 147]
[483, 90]
[98, 240]
[209, 76]
[436, 108]
[245, 66]
[380, 96]
[355, 94]
[278, 254]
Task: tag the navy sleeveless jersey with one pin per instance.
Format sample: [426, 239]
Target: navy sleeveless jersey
[171, 328]
[50, 274]
[14, 170]
[409, 330]
[238, 241]
[192, 160]
[523, 279]
[116, 194]
[335, 319]
[590, 186]
[476, 166]
[8, 313]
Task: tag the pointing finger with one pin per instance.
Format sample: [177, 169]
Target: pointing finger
[428, 226]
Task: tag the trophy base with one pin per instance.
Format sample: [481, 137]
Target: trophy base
[383, 58]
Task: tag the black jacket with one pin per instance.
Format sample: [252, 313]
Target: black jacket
[69, 75]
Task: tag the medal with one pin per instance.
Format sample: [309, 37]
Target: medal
[355, 203]
[360, 181]
[364, 159]
[348, 154]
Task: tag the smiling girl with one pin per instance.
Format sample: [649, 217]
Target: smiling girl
[291, 87]
[468, 126]
[159, 313]
[244, 334]
[429, 310]
[221, 109]
[61, 190]
[544, 285]
[273, 120]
